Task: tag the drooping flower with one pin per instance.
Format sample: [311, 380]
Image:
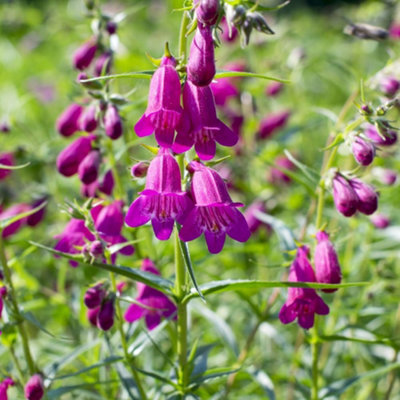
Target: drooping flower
[34, 388]
[105, 317]
[156, 305]
[163, 200]
[69, 159]
[68, 122]
[203, 128]
[363, 151]
[367, 197]
[223, 89]
[107, 184]
[88, 119]
[386, 138]
[4, 385]
[13, 211]
[207, 11]
[113, 123]
[302, 303]
[164, 111]
[6, 159]
[273, 123]
[214, 214]
[139, 170]
[110, 219]
[201, 63]
[327, 267]
[84, 55]
[37, 217]
[88, 169]
[344, 196]
[94, 296]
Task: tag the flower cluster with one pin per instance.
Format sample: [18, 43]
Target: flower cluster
[304, 303]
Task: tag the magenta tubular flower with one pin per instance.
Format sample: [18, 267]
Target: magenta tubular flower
[68, 122]
[380, 221]
[6, 159]
[207, 11]
[88, 169]
[389, 137]
[156, 304]
[105, 317]
[34, 389]
[301, 303]
[107, 184]
[273, 89]
[103, 64]
[214, 214]
[84, 55]
[94, 296]
[4, 385]
[88, 120]
[368, 198]
[69, 159]
[73, 236]
[163, 200]
[164, 111]
[203, 128]
[139, 170]
[36, 218]
[252, 221]
[201, 64]
[327, 267]
[389, 86]
[363, 151]
[223, 89]
[92, 314]
[344, 196]
[89, 190]
[110, 220]
[113, 123]
[273, 123]
[12, 212]
[276, 176]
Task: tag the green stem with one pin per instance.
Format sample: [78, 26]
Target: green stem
[127, 357]
[180, 291]
[17, 364]
[12, 295]
[182, 37]
[314, 355]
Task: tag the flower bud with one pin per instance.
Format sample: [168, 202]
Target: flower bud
[207, 11]
[273, 89]
[6, 159]
[111, 27]
[96, 249]
[34, 389]
[105, 318]
[92, 315]
[344, 196]
[368, 198]
[84, 55]
[113, 123]
[13, 211]
[103, 64]
[89, 190]
[394, 31]
[37, 217]
[139, 170]
[385, 137]
[327, 267]
[389, 86]
[388, 177]
[110, 219]
[88, 120]
[94, 296]
[366, 31]
[380, 221]
[363, 151]
[201, 64]
[272, 123]
[107, 185]
[68, 122]
[69, 159]
[5, 127]
[88, 169]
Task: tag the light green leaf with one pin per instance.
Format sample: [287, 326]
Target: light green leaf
[139, 74]
[228, 74]
[3, 166]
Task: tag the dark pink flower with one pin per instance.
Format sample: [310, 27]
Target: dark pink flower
[90, 190]
[88, 169]
[201, 63]
[223, 89]
[12, 212]
[110, 219]
[386, 138]
[6, 159]
[214, 214]
[273, 89]
[302, 303]
[69, 159]
[84, 55]
[164, 111]
[363, 151]
[34, 389]
[94, 296]
[105, 317]
[103, 64]
[276, 175]
[155, 303]
[367, 197]
[389, 86]
[3, 294]
[4, 385]
[252, 221]
[163, 200]
[387, 176]
[273, 123]
[327, 267]
[111, 27]
[92, 314]
[344, 196]
[394, 31]
[37, 217]
[113, 122]
[68, 122]
[207, 11]
[203, 128]
[139, 170]
[380, 221]
[88, 121]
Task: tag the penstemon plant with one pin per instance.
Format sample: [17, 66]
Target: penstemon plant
[145, 338]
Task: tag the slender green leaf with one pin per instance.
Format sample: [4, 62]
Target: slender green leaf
[139, 74]
[10, 220]
[28, 316]
[215, 373]
[309, 172]
[11, 167]
[157, 376]
[228, 74]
